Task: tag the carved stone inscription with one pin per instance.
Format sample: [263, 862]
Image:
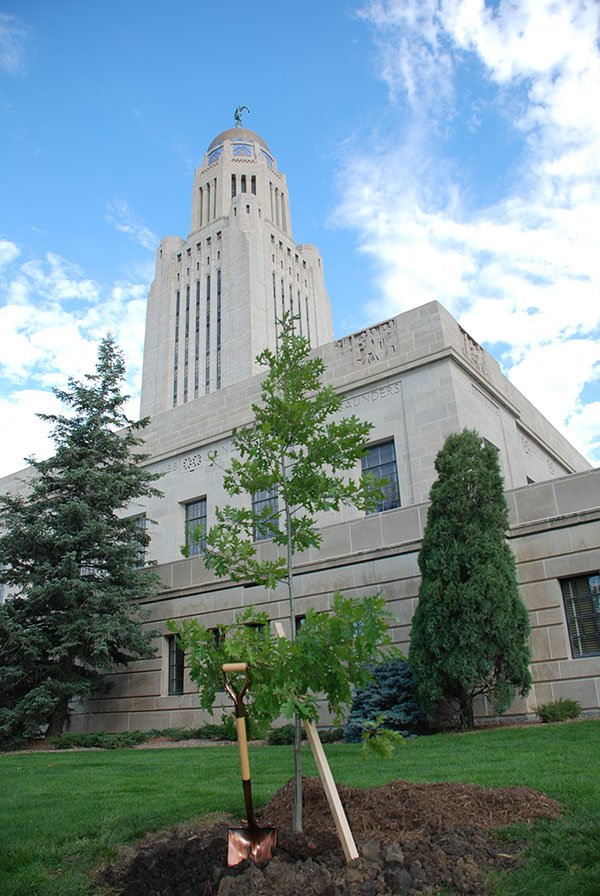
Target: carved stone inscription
[370, 346]
[372, 396]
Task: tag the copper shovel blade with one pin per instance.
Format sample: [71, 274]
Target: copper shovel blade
[250, 843]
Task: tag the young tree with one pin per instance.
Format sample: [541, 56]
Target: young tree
[470, 629]
[74, 566]
[298, 457]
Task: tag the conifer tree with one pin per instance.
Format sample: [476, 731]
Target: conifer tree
[470, 629]
[72, 561]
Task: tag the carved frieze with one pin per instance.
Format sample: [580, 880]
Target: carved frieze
[473, 352]
[191, 462]
[482, 397]
[533, 450]
[370, 346]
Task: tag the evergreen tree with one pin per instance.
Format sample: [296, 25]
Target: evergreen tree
[389, 700]
[72, 561]
[299, 454]
[470, 629]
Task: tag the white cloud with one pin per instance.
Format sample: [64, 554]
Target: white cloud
[522, 273]
[52, 318]
[124, 219]
[8, 252]
[13, 42]
[22, 433]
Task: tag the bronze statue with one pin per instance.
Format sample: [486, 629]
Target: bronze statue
[238, 115]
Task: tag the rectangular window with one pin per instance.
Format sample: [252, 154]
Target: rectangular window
[176, 349]
[175, 664]
[207, 339]
[219, 329]
[265, 502]
[380, 460]
[195, 526]
[581, 598]
[141, 525]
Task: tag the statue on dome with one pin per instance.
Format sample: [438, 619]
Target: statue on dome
[238, 115]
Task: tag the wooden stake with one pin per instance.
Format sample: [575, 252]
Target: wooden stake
[331, 792]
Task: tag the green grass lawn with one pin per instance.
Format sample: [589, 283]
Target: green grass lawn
[64, 814]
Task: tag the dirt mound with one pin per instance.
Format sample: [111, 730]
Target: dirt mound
[413, 838]
[400, 809]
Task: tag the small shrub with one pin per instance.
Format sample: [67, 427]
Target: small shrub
[215, 731]
[331, 735]
[102, 740]
[559, 710]
[282, 736]
[388, 700]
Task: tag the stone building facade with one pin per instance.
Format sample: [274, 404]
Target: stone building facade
[416, 378]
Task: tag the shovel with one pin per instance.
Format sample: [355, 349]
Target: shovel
[251, 842]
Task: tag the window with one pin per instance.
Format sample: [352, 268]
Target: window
[195, 526]
[243, 183]
[175, 664]
[380, 460]
[140, 523]
[265, 503]
[581, 597]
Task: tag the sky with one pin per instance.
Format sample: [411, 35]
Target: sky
[441, 150]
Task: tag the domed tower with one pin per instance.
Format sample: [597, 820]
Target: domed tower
[216, 297]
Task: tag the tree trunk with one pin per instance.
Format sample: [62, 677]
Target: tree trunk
[297, 818]
[58, 718]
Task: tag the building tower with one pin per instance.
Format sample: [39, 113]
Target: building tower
[216, 297]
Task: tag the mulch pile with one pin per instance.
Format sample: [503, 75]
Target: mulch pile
[412, 839]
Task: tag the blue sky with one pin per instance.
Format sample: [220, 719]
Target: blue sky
[434, 149]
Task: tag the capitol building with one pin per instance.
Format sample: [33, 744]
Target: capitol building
[213, 306]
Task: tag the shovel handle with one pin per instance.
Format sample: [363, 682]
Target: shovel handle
[234, 667]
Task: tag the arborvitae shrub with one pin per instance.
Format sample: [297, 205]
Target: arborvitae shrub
[391, 693]
[559, 710]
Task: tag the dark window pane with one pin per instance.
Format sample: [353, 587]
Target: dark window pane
[380, 461]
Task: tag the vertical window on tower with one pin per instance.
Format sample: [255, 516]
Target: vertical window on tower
[307, 321]
[243, 183]
[253, 184]
[175, 666]
[176, 349]
[208, 202]
[197, 342]
[215, 198]
[282, 298]
[218, 329]
[201, 204]
[292, 306]
[283, 215]
[186, 344]
[300, 312]
[207, 366]
[233, 186]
